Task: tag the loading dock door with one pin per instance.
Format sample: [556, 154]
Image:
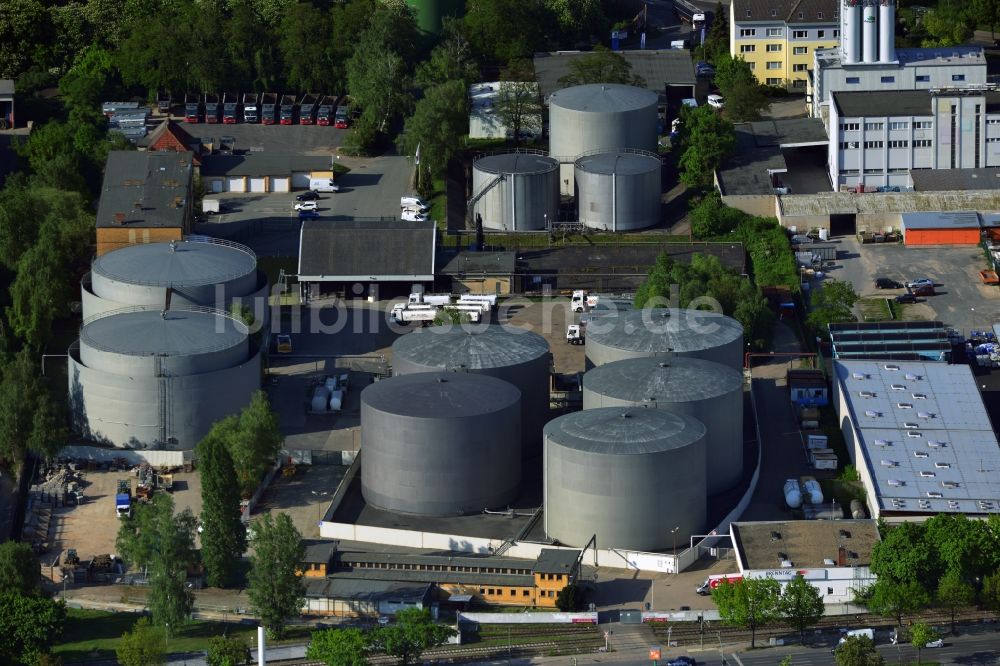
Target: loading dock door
[238, 184]
[280, 184]
[258, 184]
[843, 224]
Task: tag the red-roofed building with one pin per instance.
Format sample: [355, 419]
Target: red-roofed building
[170, 136]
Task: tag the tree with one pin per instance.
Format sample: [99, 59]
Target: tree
[30, 625]
[503, 30]
[903, 554]
[19, 570]
[954, 593]
[706, 140]
[749, 603]
[570, 598]
[223, 537]
[137, 535]
[258, 442]
[949, 24]
[170, 602]
[306, 59]
[227, 651]
[339, 647]
[451, 60]
[413, 632]
[858, 651]
[896, 599]
[275, 589]
[145, 645]
[990, 594]
[717, 40]
[24, 27]
[602, 65]
[575, 20]
[921, 634]
[377, 72]
[711, 218]
[801, 605]
[832, 302]
[438, 123]
[518, 104]
[745, 97]
[29, 418]
[961, 544]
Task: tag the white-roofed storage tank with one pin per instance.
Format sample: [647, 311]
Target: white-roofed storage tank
[627, 475]
[146, 378]
[516, 191]
[505, 352]
[705, 390]
[618, 191]
[665, 332]
[440, 443]
[599, 117]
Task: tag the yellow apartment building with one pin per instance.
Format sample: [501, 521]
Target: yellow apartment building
[779, 37]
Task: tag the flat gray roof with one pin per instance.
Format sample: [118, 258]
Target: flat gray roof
[365, 589]
[759, 151]
[952, 220]
[556, 560]
[924, 436]
[319, 551]
[366, 251]
[807, 543]
[184, 263]
[150, 332]
[145, 189]
[263, 164]
[464, 262]
[883, 103]
[6, 87]
[828, 203]
[955, 179]
[915, 57]
[658, 69]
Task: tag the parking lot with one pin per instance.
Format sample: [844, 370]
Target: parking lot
[961, 301]
[304, 496]
[304, 139]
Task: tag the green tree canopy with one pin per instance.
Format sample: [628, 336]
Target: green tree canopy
[954, 593]
[575, 21]
[801, 605]
[450, 60]
[896, 599]
[413, 632]
[30, 419]
[921, 634]
[24, 26]
[503, 30]
[339, 647]
[706, 140]
[602, 65]
[227, 651]
[749, 603]
[439, 122]
[377, 72]
[717, 40]
[745, 97]
[223, 538]
[832, 302]
[20, 572]
[275, 589]
[858, 651]
[308, 65]
[30, 625]
[518, 104]
[949, 24]
[145, 645]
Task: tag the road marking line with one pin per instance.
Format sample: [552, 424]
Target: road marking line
[737, 658]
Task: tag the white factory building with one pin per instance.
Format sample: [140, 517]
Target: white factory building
[877, 138]
[920, 438]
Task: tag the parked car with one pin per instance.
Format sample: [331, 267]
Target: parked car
[306, 205]
[716, 101]
[887, 283]
[413, 216]
[704, 69]
[801, 239]
[308, 215]
[311, 195]
[935, 643]
[682, 661]
[923, 290]
[920, 282]
[908, 297]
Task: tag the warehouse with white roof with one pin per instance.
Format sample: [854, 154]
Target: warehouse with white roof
[920, 437]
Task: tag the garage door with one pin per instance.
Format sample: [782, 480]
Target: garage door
[258, 184]
[280, 184]
[238, 184]
[218, 185]
[300, 180]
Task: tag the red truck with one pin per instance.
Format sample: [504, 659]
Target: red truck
[307, 109]
[192, 109]
[287, 112]
[230, 108]
[324, 116]
[269, 108]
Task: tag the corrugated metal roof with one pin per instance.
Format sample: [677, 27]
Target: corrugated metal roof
[678, 379]
[954, 220]
[662, 330]
[148, 332]
[833, 203]
[623, 431]
[181, 264]
[603, 98]
[475, 349]
[440, 394]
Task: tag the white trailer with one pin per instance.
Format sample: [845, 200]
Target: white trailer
[582, 301]
[403, 315]
[473, 310]
[491, 299]
[432, 299]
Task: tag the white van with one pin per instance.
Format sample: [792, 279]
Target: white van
[414, 203]
[323, 185]
[867, 633]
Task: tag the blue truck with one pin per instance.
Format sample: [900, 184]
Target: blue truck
[123, 499]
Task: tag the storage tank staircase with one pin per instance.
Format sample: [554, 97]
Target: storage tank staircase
[471, 203]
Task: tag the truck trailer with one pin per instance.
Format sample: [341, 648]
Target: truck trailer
[269, 108]
[324, 114]
[192, 109]
[307, 109]
[164, 102]
[342, 118]
[251, 108]
[287, 112]
[230, 108]
[123, 499]
[213, 105]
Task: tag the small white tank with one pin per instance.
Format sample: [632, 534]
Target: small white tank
[793, 496]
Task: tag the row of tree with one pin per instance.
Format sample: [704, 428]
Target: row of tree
[411, 632]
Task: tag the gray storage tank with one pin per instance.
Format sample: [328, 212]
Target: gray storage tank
[197, 271]
[146, 378]
[665, 332]
[618, 191]
[440, 443]
[599, 117]
[519, 191]
[629, 475]
[512, 354]
[707, 391]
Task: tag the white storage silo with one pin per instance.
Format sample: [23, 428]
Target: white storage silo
[520, 191]
[618, 191]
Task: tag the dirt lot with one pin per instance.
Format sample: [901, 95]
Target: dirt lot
[91, 528]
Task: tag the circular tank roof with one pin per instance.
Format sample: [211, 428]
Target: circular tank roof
[519, 163]
[440, 395]
[603, 98]
[475, 349]
[624, 431]
[619, 163]
[152, 332]
[677, 379]
[661, 330]
[180, 264]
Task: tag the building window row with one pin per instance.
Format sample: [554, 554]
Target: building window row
[775, 32]
[774, 64]
[921, 124]
[850, 127]
[773, 48]
[799, 83]
[872, 172]
[923, 78]
[874, 127]
[888, 79]
[800, 50]
[921, 143]
[773, 82]
[899, 143]
[748, 48]
[748, 32]
[874, 144]
[993, 121]
[852, 80]
[800, 67]
[993, 139]
[899, 125]
[849, 145]
[800, 34]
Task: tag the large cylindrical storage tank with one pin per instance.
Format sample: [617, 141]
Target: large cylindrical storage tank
[660, 332]
[618, 191]
[704, 390]
[627, 475]
[204, 272]
[887, 31]
[869, 33]
[851, 39]
[511, 354]
[599, 117]
[526, 197]
[440, 443]
[142, 378]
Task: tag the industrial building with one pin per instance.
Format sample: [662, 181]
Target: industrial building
[198, 271]
[479, 272]
[599, 117]
[145, 198]
[336, 256]
[363, 597]
[440, 443]
[920, 438]
[618, 190]
[263, 172]
[486, 123]
[778, 38]
[171, 137]
[834, 556]
[514, 355]
[515, 191]
[666, 332]
[7, 104]
[629, 478]
[704, 390]
[890, 341]
[957, 228]
[152, 377]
